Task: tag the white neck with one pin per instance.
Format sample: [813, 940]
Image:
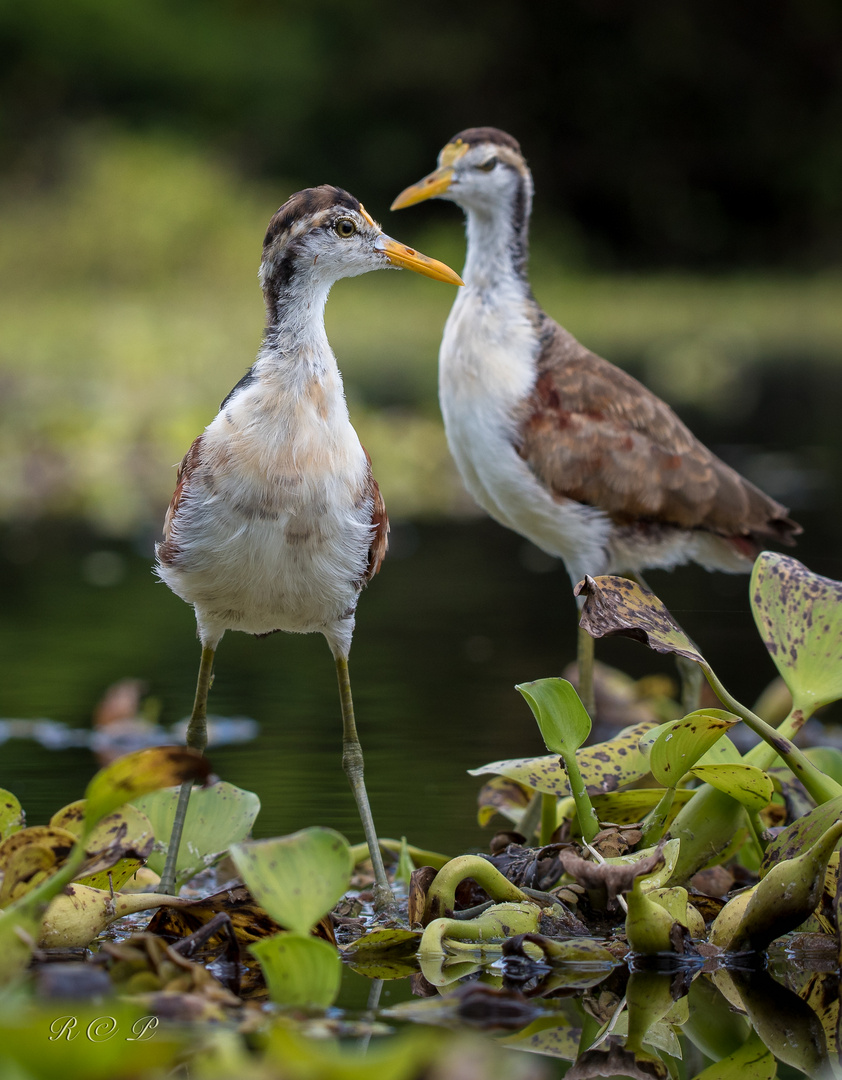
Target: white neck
[296, 344]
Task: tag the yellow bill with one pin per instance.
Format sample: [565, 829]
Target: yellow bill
[410, 259]
[437, 183]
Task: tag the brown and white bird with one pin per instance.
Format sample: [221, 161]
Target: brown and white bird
[552, 440]
[277, 522]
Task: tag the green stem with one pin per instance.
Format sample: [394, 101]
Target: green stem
[821, 787]
[588, 821]
[653, 826]
[549, 809]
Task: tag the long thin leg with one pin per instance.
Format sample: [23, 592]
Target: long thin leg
[584, 660]
[197, 739]
[352, 763]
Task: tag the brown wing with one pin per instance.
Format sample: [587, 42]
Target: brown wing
[592, 433]
[168, 551]
[379, 522]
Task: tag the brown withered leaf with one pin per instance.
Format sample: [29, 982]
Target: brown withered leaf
[616, 605]
[532, 868]
[617, 1062]
[608, 880]
[419, 882]
[617, 840]
[248, 920]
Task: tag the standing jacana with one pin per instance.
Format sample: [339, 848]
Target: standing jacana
[277, 522]
[550, 439]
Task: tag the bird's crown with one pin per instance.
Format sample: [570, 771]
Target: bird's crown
[302, 210]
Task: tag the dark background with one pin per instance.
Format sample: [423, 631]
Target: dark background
[704, 134]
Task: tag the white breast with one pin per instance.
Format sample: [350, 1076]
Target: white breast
[272, 532]
[486, 368]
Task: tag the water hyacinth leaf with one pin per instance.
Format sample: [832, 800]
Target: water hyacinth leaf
[801, 834]
[630, 807]
[385, 943]
[217, 816]
[133, 775]
[747, 784]
[564, 724]
[300, 970]
[616, 605]
[828, 759]
[23, 869]
[677, 749]
[799, 616]
[604, 767]
[501, 796]
[551, 1036]
[115, 848]
[561, 716]
[11, 814]
[296, 878]
[752, 1061]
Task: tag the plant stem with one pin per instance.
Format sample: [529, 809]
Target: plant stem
[821, 787]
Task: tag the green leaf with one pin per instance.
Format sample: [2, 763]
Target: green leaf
[683, 742]
[11, 814]
[217, 817]
[617, 605]
[747, 784]
[751, 1062]
[561, 716]
[799, 616]
[828, 759]
[564, 724]
[296, 878]
[135, 774]
[801, 834]
[300, 970]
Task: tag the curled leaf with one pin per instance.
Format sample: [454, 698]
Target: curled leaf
[617, 605]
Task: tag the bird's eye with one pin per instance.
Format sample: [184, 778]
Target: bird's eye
[488, 165]
[345, 228]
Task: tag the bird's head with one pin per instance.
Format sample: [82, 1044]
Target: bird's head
[325, 234]
[481, 169]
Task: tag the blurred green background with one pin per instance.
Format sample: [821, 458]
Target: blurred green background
[688, 165]
[688, 222]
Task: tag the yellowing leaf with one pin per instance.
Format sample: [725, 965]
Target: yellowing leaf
[135, 774]
[799, 616]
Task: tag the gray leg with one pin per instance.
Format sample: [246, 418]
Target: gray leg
[352, 763]
[197, 739]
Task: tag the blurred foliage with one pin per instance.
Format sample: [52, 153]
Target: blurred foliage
[132, 306]
[701, 133]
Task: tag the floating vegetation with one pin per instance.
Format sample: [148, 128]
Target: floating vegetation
[629, 920]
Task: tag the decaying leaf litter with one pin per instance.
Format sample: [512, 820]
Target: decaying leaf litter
[662, 847]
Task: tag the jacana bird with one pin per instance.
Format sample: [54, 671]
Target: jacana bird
[550, 439]
[277, 522]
